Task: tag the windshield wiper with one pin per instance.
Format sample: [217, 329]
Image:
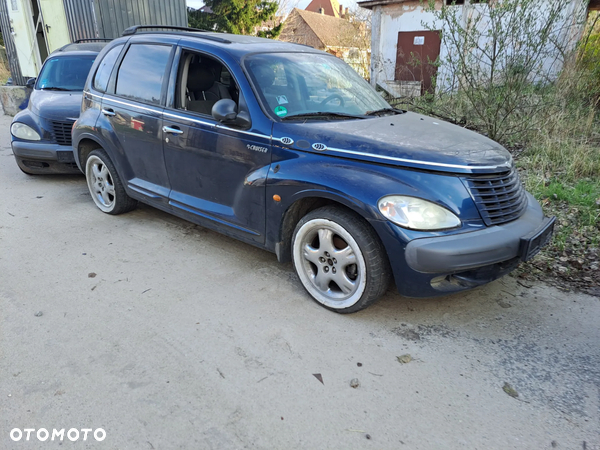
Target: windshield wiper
[55, 88]
[383, 111]
[322, 114]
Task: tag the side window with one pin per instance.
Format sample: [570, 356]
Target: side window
[142, 72]
[105, 68]
[202, 82]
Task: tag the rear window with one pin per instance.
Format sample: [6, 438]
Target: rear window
[65, 73]
[105, 69]
[142, 72]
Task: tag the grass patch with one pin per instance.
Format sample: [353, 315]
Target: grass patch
[4, 70]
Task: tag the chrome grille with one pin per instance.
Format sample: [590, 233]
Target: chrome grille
[62, 132]
[499, 198]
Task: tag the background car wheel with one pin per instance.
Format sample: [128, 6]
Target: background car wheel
[339, 259]
[105, 185]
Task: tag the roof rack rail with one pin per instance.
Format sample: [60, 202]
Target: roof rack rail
[79, 41]
[133, 30]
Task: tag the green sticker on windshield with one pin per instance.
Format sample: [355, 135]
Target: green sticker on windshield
[281, 111]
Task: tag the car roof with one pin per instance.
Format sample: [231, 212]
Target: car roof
[80, 47]
[235, 44]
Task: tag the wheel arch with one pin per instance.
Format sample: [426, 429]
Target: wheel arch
[300, 206]
[84, 147]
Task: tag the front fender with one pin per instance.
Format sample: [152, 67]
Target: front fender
[298, 177]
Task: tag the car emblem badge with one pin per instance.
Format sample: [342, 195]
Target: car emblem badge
[287, 141]
[319, 147]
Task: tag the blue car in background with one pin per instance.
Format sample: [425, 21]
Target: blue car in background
[285, 147]
[41, 134]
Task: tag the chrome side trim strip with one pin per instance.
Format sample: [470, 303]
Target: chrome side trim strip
[264, 136]
[189, 119]
[507, 165]
[157, 111]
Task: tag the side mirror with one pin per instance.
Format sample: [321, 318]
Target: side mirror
[225, 111]
[30, 83]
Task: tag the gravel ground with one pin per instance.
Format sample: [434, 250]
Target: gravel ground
[166, 335]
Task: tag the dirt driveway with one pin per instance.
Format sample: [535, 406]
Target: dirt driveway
[166, 335]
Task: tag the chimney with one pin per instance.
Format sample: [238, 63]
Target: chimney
[341, 11]
[347, 15]
[321, 11]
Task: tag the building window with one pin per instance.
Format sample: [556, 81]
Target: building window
[455, 2]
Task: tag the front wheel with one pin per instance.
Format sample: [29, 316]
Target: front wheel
[339, 259]
[105, 185]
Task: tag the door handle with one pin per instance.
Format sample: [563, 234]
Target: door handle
[172, 130]
[108, 112]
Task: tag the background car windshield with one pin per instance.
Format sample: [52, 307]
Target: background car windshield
[65, 73]
[305, 83]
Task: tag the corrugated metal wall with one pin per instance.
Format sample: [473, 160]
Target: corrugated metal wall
[108, 18]
[81, 19]
[11, 50]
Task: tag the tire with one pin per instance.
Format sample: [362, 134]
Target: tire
[340, 260]
[105, 186]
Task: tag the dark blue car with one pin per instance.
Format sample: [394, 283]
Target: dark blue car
[287, 148]
[41, 134]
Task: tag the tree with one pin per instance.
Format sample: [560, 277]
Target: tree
[501, 55]
[237, 17]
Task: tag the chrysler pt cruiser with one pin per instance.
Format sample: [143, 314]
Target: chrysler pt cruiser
[285, 147]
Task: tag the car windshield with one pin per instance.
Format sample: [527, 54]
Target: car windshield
[65, 73]
[301, 86]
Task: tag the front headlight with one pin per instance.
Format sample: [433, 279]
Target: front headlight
[22, 131]
[416, 213]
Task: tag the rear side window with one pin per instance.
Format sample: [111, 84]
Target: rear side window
[142, 72]
[105, 69]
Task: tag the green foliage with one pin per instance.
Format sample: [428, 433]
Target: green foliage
[237, 17]
[589, 56]
[499, 58]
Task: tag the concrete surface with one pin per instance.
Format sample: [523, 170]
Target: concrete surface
[166, 336]
[13, 99]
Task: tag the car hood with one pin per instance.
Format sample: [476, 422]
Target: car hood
[410, 140]
[56, 105]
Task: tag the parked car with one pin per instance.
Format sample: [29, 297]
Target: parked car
[41, 134]
[287, 148]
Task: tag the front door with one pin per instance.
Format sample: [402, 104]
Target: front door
[216, 173]
[416, 55]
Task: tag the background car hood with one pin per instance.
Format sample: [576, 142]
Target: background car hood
[56, 105]
[409, 139]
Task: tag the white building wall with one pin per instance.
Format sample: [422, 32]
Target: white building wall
[389, 20]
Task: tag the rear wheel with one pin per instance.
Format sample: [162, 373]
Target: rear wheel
[339, 259]
[105, 185]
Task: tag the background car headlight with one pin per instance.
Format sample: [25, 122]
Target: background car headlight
[22, 131]
[416, 213]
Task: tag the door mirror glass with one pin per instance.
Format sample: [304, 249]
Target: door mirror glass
[31, 83]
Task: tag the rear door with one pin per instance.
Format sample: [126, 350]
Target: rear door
[217, 173]
[131, 118]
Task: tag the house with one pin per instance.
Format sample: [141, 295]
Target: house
[328, 7]
[345, 39]
[403, 45]
[32, 29]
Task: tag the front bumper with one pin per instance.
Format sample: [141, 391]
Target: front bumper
[44, 157]
[432, 266]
